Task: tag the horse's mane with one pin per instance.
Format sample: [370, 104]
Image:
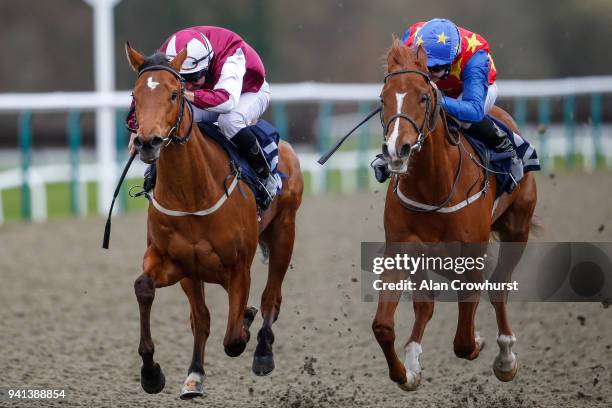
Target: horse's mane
[159, 58]
[403, 56]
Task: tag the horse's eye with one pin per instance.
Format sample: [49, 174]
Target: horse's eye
[174, 96]
[424, 98]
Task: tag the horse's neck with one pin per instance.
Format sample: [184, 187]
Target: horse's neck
[190, 176]
[433, 169]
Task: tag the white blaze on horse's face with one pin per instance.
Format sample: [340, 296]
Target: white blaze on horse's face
[151, 83]
[392, 141]
[399, 97]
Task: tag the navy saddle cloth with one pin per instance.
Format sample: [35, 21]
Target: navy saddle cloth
[268, 138]
[500, 162]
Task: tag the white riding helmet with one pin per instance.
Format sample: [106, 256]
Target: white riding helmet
[199, 50]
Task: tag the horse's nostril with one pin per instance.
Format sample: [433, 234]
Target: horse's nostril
[385, 150]
[405, 150]
[156, 141]
[138, 142]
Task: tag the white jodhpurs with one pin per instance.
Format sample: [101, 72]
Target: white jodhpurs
[247, 111]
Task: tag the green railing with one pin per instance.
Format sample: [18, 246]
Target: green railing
[325, 178]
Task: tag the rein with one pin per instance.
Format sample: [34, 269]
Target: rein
[432, 118]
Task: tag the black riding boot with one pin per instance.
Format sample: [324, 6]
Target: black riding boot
[249, 148]
[495, 138]
[247, 144]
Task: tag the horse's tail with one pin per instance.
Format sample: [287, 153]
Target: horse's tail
[536, 227]
[265, 252]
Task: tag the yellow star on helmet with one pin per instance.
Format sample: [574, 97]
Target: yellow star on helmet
[472, 42]
[442, 38]
[419, 40]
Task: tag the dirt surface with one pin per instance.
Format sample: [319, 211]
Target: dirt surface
[69, 320]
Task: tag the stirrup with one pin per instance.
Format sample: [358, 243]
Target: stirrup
[516, 172]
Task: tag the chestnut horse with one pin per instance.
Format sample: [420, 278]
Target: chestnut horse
[428, 171]
[212, 230]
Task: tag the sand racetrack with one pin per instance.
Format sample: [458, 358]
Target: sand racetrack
[69, 319]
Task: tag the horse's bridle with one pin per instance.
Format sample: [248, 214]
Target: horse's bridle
[172, 135]
[431, 117]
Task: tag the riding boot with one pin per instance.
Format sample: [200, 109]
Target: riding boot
[381, 171]
[249, 148]
[495, 138]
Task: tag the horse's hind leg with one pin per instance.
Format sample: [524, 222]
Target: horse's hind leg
[239, 318]
[200, 326]
[279, 237]
[157, 273]
[467, 343]
[513, 228]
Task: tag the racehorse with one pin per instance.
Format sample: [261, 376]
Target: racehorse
[429, 201]
[211, 231]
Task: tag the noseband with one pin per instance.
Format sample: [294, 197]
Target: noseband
[429, 120]
[172, 135]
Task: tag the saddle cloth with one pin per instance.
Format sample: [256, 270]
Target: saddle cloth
[268, 138]
[500, 162]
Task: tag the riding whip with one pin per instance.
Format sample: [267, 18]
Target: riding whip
[331, 151]
[107, 228]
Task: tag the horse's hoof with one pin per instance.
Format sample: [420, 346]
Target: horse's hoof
[152, 380]
[505, 376]
[235, 348]
[193, 386]
[263, 365]
[413, 380]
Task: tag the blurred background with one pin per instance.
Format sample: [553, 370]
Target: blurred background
[60, 153]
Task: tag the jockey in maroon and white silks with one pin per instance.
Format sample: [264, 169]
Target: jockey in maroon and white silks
[225, 81]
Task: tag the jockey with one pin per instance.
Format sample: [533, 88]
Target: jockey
[461, 66]
[225, 82]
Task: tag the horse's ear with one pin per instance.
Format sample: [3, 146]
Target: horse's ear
[135, 58]
[421, 55]
[177, 62]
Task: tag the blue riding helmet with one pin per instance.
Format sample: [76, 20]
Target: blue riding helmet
[441, 40]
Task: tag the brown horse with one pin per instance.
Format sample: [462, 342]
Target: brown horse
[424, 159]
[210, 235]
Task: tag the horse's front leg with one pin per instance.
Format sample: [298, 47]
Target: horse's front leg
[384, 329]
[157, 273]
[200, 326]
[239, 318]
[423, 304]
